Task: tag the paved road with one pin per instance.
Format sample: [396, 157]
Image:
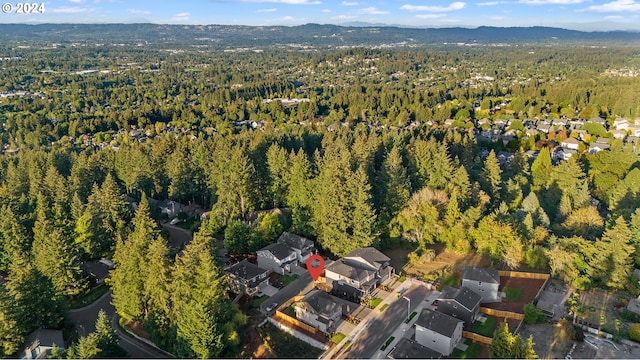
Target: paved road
[380, 325]
[85, 318]
[177, 235]
[302, 284]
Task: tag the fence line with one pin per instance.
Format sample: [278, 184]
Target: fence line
[304, 337]
[295, 322]
[476, 337]
[502, 313]
[523, 274]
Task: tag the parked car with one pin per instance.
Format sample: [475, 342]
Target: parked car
[174, 221]
[272, 306]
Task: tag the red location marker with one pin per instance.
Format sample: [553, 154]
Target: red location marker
[315, 271]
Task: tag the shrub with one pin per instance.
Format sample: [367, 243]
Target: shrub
[634, 332]
[533, 315]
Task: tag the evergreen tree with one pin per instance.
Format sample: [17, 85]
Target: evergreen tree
[491, 181]
[393, 189]
[11, 328]
[615, 255]
[278, 164]
[541, 168]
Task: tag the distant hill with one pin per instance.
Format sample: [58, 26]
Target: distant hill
[230, 36]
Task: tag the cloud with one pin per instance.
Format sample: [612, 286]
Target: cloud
[287, 2]
[497, 17]
[344, 17]
[551, 2]
[452, 7]
[326, 10]
[266, 10]
[616, 6]
[489, 3]
[139, 12]
[350, 3]
[69, 10]
[614, 17]
[76, 1]
[431, 16]
[372, 10]
[181, 17]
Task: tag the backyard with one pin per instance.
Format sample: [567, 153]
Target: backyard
[472, 352]
[599, 309]
[487, 327]
[278, 344]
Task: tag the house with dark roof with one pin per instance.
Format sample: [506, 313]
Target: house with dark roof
[247, 278]
[461, 303]
[320, 310]
[411, 349]
[358, 273]
[278, 258]
[484, 282]
[40, 343]
[438, 331]
[96, 271]
[302, 246]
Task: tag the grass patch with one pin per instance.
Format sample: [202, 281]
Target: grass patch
[291, 311]
[451, 280]
[386, 343]
[383, 307]
[402, 279]
[88, 296]
[472, 352]
[512, 294]
[374, 302]
[286, 346]
[337, 338]
[256, 302]
[346, 345]
[487, 328]
[288, 279]
[413, 314]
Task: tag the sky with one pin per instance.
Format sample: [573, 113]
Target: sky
[586, 15]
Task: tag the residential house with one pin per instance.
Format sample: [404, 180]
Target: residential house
[599, 120]
[40, 343]
[597, 147]
[634, 130]
[320, 310]
[603, 140]
[358, 273]
[532, 154]
[438, 331]
[570, 143]
[619, 134]
[97, 271]
[247, 278]
[577, 123]
[568, 154]
[461, 303]
[484, 282]
[448, 122]
[545, 128]
[581, 134]
[411, 349]
[621, 124]
[302, 246]
[505, 157]
[169, 207]
[278, 258]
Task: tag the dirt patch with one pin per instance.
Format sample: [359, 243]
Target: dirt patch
[137, 328]
[530, 288]
[253, 345]
[599, 305]
[398, 256]
[444, 262]
[551, 341]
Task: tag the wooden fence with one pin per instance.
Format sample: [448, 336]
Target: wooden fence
[476, 337]
[502, 313]
[523, 275]
[288, 320]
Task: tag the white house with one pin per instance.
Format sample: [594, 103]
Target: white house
[621, 124]
[438, 331]
[277, 257]
[570, 143]
[482, 281]
[320, 310]
[619, 134]
[40, 343]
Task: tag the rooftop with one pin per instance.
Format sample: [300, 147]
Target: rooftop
[439, 322]
[465, 296]
[481, 274]
[245, 270]
[411, 349]
[294, 241]
[321, 303]
[280, 251]
[351, 272]
[372, 256]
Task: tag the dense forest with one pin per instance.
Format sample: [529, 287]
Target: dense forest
[361, 159]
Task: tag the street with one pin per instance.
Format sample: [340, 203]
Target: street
[380, 325]
[303, 284]
[84, 319]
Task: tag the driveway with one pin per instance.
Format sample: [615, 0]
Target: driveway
[177, 235]
[269, 290]
[380, 325]
[84, 319]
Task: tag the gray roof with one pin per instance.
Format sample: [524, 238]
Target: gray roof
[96, 268]
[294, 241]
[597, 119]
[411, 349]
[351, 272]
[439, 322]
[481, 274]
[370, 255]
[280, 251]
[45, 337]
[321, 303]
[245, 270]
[464, 296]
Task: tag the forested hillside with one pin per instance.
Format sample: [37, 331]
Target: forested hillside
[352, 141]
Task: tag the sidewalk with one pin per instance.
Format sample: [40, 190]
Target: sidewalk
[404, 328]
[400, 287]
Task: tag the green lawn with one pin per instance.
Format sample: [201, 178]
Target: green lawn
[256, 302]
[346, 344]
[513, 294]
[402, 279]
[451, 280]
[288, 279]
[472, 352]
[386, 343]
[88, 297]
[374, 302]
[413, 314]
[487, 328]
[383, 307]
[337, 338]
[291, 311]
